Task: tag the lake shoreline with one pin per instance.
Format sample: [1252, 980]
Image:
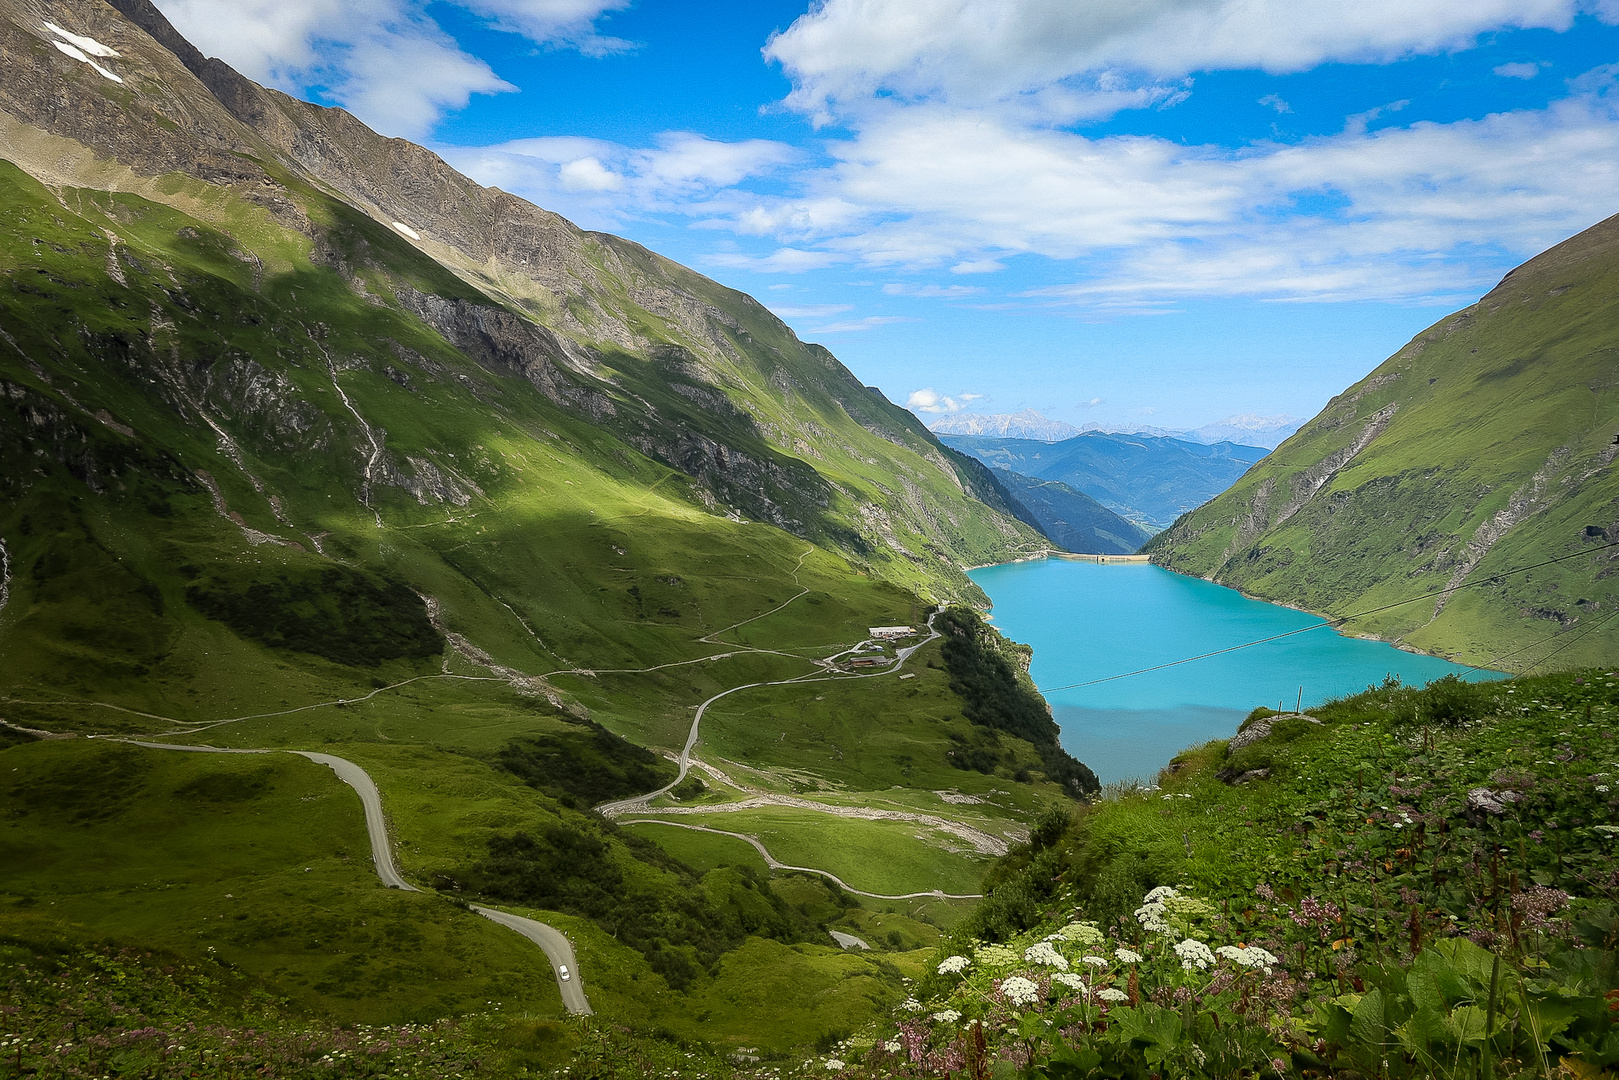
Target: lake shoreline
[1139, 559]
[1137, 667]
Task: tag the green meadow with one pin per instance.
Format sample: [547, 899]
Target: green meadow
[889, 857]
[252, 498]
[260, 862]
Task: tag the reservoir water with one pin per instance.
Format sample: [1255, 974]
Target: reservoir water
[1089, 621]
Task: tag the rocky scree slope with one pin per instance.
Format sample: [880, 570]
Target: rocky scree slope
[1485, 445]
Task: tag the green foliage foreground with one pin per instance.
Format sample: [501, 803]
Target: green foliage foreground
[1414, 883]
[1410, 883]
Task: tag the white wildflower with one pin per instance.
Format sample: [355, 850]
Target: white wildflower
[1194, 954]
[1020, 991]
[893, 1046]
[1153, 908]
[1094, 961]
[1127, 956]
[1250, 957]
[1151, 918]
[1112, 993]
[1072, 981]
[953, 964]
[1041, 952]
[911, 1005]
[834, 1063]
[1082, 933]
[947, 1016]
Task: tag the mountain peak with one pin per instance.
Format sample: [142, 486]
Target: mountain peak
[1027, 424]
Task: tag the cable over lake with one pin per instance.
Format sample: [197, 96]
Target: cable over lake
[1089, 621]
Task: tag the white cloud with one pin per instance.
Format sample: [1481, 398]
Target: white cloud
[588, 174]
[386, 61]
[401, 83]
[566, 23]
[978, 266]
[781, 261]
[933, 403]
[1274, 101]
[1517, 71]
[899, 288]
[601, 184]
[854, 326]
[842, 52]
[808, 311]
[1092, 403]
[1424, 211]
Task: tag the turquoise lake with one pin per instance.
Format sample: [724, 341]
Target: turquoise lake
[1091, 621]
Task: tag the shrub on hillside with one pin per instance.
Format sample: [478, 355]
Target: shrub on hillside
[345, 615]
[994, 696]
[585, 766]
[1451, 702]
[639, 894]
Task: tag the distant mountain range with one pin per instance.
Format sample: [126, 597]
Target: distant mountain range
[1027, 424]
[1247, 429]
[1147, 479]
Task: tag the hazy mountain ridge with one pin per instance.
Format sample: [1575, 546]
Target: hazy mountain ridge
[1146, 479]
[1072, 519]
[1486, 444]
[1246, 429]
[1027, 424]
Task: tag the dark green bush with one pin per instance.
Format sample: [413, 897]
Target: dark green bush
[585, 767]
[689, 788]
[1452, 702]
[345, 615]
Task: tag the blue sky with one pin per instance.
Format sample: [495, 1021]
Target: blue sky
[1118, 211]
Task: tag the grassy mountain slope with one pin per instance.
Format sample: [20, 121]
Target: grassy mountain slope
[1073, 519]
[695, 376]
[275, 474]
[1147, 479]
[1485, 445]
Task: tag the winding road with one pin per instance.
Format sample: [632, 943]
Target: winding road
[639, 803]
[551, 941]
[775, 864]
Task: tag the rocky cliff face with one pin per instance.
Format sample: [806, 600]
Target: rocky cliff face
[1431, 499]
[672, 365]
